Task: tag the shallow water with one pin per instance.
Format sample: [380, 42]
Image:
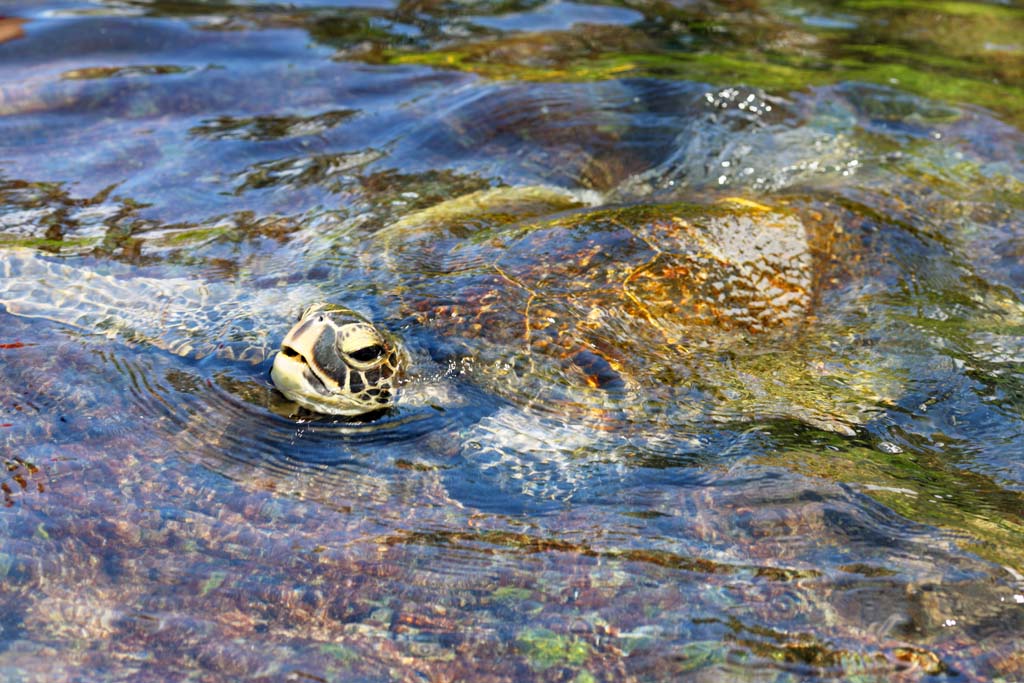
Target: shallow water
[844, 503]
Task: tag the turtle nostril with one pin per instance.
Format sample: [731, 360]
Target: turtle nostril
[292, 353]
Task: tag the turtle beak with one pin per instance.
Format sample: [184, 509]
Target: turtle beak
[293, 374]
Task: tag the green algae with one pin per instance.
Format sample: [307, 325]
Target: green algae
[340, 652]
[267, 128]
[544, 649]
[960, 9]
[957, 52]
[777, 73]
[99, 72]
[193, 236]
[213, 582]
[512, 594]
[73, 245]
[929, 488]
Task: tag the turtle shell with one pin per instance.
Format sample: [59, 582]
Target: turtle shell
[652, 305]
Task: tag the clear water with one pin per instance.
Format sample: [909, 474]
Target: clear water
[166, 518]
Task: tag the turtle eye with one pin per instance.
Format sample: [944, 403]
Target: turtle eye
[367, 353]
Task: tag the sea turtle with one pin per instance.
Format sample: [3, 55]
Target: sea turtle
[691, 310]
[699, 310]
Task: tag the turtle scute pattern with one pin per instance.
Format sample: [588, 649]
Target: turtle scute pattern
[697, 309]
[689, 276]
[618, 282]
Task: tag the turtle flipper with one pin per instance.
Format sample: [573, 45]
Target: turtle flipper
[501, 204]
[183, 316]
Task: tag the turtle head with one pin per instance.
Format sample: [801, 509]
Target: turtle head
[335, 361]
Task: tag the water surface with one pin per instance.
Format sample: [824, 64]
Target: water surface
[169, 517]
